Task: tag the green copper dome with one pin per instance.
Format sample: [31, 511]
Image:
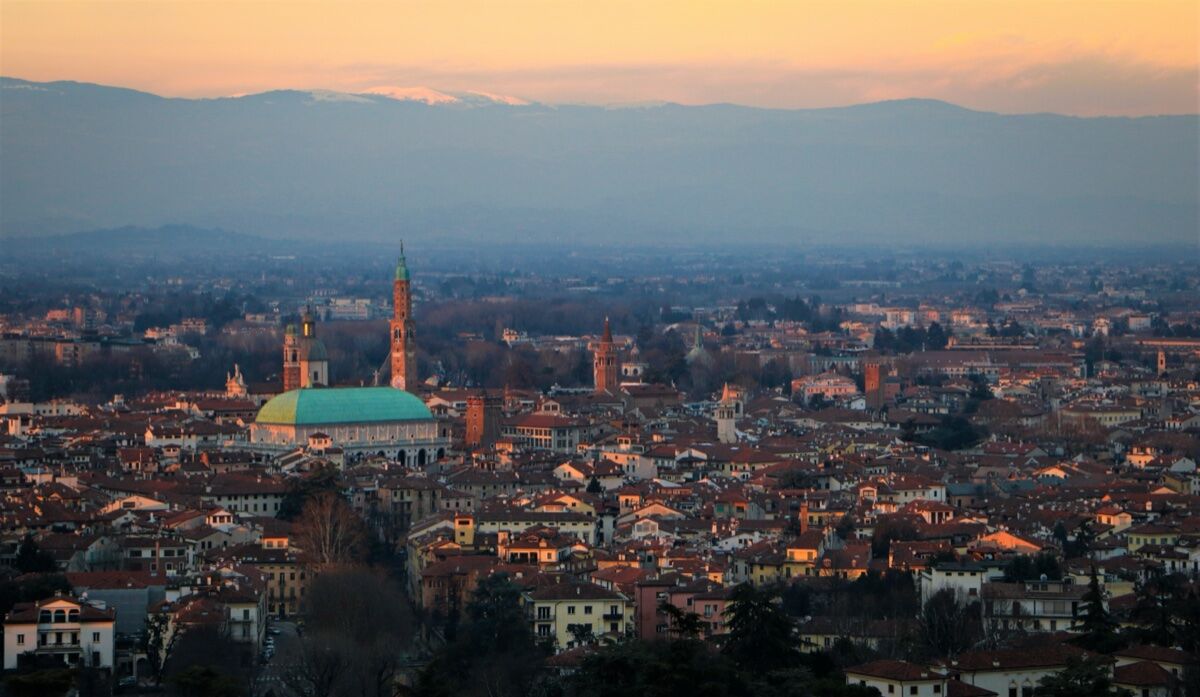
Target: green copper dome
[314, 350]
[342, 405]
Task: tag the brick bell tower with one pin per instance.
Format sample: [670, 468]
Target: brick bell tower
[604, 362]
[404, 363]
[291, 359]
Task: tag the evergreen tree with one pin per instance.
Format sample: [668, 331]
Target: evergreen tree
[1095, 622]
[760, 632]
[1081, 678]
[31, 559]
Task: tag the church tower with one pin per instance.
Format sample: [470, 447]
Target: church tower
[604, 362]
[1162, 362]
[314, 360]
[728, 411]
[404, 362]
[291, 359]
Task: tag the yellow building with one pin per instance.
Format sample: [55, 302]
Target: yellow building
[568, 614]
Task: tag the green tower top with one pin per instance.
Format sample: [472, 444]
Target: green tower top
[401, 266]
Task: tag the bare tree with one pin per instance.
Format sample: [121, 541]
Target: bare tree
[330, 532]
[365, 615]
[948, 627]
[321, 665]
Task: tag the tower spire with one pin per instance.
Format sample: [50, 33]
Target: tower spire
[401, 265]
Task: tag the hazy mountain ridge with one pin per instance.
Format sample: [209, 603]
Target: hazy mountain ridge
[292, 164]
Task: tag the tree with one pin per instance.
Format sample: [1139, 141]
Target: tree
[32, 560]
[594, 486]
[1167, 612]
[1026, 568]
[330, 532]
[655, 669]
[1086, 677]
[154, 643]
[42, 683]
[936, 337]
[581, 634]
[210, 647]
[684, 625]
[494, 653]
[365, 616]
[323, 662]
[321, 480]
[205, 681]
[1097, 625]
[947, 627]
[760, 632]
[30, 588]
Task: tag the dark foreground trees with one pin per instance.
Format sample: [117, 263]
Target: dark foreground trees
[496, 654]
[359, 630]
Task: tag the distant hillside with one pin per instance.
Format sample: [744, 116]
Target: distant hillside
[424, 164]
[137, 243]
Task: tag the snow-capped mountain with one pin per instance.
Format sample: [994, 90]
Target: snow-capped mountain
[427, 95]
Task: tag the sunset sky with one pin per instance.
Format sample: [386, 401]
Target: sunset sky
[1085, 58]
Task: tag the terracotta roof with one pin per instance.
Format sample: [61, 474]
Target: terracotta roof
[901, 671]
[1142, 674]
[575, 591]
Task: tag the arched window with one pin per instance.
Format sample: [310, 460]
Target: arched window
[60, 615]
[441, 453]
[402, 457]
[73, 616]
[421, 457]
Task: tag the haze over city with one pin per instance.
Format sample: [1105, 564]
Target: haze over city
[600, 349]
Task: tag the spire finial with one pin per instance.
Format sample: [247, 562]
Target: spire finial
[401, 265]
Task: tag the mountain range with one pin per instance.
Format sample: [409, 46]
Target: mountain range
[470, 166]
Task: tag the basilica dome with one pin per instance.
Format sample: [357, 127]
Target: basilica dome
[312, 406]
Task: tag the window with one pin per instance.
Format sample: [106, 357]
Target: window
[937, 689]
[891, 689]
[20, 640]
[912, 690]
[96, 637]
[544, 612]
[570, 609]
[587, 609]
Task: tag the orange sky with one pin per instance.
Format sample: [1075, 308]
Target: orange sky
[1136, 57]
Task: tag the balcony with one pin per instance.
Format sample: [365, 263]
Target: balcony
[58, 648]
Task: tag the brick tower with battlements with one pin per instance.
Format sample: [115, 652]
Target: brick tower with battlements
[604, 362]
